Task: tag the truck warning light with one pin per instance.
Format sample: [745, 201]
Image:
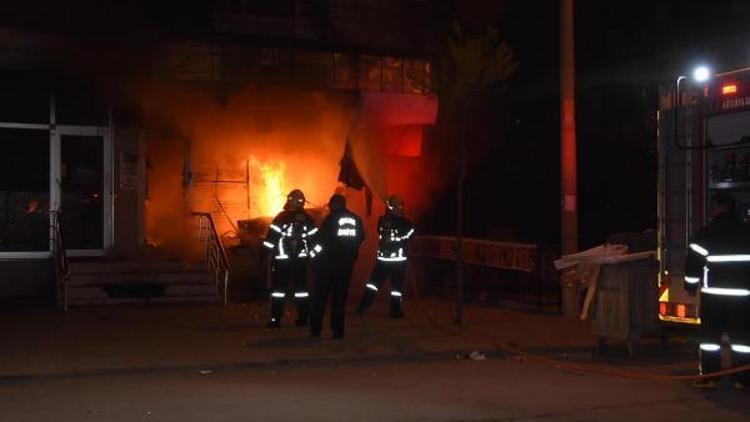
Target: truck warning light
[729, 89]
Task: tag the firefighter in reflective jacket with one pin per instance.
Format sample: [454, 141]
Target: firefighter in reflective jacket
[718, 264]
[394, 232]
[341, 235]
[291, 239]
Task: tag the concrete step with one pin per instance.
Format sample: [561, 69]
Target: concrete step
[135, 267]
[102, 279]
[141, 301]
[102, 282]
[141, 293]
[140, 290]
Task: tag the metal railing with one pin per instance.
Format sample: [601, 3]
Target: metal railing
[488, 253]
[60, 256]
[486, 260]
[215, 255]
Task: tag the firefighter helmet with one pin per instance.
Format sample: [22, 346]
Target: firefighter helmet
[395, 205]
[337, 202]
[295, 200]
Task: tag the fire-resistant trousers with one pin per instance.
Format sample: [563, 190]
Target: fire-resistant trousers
[332, 281]
[725, 314]
[385, 270]
[290, 273]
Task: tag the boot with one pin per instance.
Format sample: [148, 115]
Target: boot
[303, 312]
[366, 301]
[277, 308]
[273, 323]
[396, 309]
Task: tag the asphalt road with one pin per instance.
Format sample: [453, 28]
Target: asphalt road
[496, 389]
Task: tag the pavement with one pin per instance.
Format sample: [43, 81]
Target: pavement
[449, 391]
[199, 363]
[47, 342]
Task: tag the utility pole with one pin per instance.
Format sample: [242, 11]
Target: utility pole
[568, 154]
[459, 317]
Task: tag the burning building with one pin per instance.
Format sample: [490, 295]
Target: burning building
[117, 134]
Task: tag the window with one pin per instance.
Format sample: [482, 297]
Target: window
[370, 73]
[313, 69]
[345, 71]
[417, 76]
[392, 74]
[24, 190]
[41, 170]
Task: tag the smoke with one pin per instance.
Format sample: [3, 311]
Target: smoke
[238, 156]
[233, 158]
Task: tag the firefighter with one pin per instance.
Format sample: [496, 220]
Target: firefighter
[394, 232]
[718, 264]
[291, 239]
[341, 235]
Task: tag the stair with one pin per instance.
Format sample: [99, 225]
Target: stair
[139, 282]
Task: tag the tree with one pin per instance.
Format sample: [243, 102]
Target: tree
[472, 67]
[475, 66]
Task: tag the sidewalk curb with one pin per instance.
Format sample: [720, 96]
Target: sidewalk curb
[220, 366]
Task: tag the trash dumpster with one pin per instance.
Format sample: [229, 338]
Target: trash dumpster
[625, 305]
[577, 272]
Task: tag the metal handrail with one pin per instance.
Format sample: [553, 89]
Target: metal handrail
[488, 253]
[215, 255]
[60, 256]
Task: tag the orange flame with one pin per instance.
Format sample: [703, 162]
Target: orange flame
[32, 207]
[267, 187]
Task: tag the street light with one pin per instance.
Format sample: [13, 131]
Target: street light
[701, 74]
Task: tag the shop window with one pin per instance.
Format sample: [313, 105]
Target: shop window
[392, 74]
[370, 73]
[313, 69]
[24, 190]
[345, 71]
[417, 76]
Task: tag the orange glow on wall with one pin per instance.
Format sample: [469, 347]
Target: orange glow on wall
[405, 141]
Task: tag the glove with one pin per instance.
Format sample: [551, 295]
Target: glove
[317, 264]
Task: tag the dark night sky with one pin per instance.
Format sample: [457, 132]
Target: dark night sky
[624, 50]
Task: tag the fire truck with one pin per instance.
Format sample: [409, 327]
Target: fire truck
[703, 148]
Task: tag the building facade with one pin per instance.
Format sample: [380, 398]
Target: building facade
[85, 134]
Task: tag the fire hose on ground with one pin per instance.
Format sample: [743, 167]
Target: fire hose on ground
[556, 363]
